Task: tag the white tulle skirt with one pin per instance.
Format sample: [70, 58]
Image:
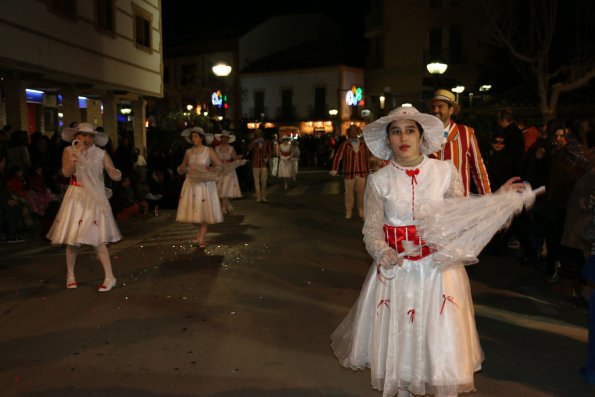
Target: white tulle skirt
[199, 202]
[416, 331]
[81, 221]
[229, 186]
[286, 169]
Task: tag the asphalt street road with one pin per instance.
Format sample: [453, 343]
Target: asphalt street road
[251, 314]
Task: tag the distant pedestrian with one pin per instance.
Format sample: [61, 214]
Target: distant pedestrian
[285, 152]
[261, 151]
[199, 201]
[355, 156]
[228, 185]
[85, 216]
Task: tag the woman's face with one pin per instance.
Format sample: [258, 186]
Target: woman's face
[84, 138]
[404, 137]
[196, 138]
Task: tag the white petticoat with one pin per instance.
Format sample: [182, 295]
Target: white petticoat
[81, 221]
[416, 331]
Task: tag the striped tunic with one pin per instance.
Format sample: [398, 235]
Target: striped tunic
[261, 151]
[354, 163]
[461, 147]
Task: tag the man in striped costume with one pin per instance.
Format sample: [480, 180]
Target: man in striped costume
[460, 144]
[261, 151]
[355, 156]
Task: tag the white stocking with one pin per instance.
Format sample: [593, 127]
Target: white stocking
[103, 255]
[71, 252]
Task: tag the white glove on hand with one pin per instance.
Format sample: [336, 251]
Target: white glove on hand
[389, 259]
[333, 173]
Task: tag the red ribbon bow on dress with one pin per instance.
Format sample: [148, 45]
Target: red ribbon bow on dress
[411, 174]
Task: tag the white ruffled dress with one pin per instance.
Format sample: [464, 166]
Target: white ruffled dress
[199, 201]
[85, 215]
[228, 184]
[417, 330]
[286, 167]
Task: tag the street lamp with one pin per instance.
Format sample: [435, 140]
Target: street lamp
[436, 68]
[221, 69]
[457, 90]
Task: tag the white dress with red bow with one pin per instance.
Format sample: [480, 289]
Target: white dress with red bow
[414, 325]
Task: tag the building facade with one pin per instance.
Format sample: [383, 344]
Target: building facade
[71, 61]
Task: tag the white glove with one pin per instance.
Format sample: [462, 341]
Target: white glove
[390, 259]
[333, 173]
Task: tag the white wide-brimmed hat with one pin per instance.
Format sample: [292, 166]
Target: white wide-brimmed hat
[100, 138]
[228, 134]
[186, 133]
[376, 135]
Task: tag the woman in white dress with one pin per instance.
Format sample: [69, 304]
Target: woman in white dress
[228, 185]
[199, 201]
[285, 152]
[413, 324]
[85, 215]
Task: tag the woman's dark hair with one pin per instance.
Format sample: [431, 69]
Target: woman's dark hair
[419, 127]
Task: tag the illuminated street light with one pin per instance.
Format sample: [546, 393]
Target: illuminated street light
[485, 88]
[436, 67]
[126, 111]
[189, 107]
[333, 112]
[457, 90]
[222, 69]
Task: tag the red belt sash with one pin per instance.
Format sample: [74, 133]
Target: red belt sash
[74, 182]
[395, 235]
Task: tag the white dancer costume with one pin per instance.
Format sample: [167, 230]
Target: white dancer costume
[85, 215]
[286, 168]
[228, 185]
[199, 201]
[416, 330]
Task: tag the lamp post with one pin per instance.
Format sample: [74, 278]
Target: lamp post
[222, 70]
[436, 68]
[457, 90]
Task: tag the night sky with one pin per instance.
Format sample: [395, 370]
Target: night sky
[187, 19]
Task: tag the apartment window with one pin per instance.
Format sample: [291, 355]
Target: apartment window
[65, 8]
[142, 27]
[287, 104]
[435, 44]
[435, 3]
[105, 15]
[188, 75]
[320, 102]
[258, 104]
[455, 44]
